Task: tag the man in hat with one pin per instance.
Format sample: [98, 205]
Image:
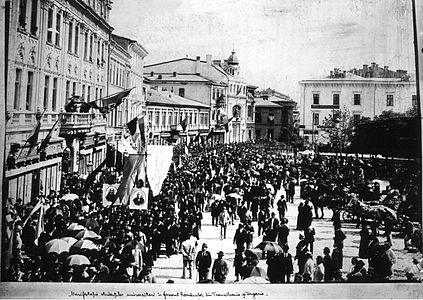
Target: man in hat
[282, 207]
[220, 268]
[224, 220]
[188, 251]
[203, 263]
[300, 255]
[283, 232]
[286, 262]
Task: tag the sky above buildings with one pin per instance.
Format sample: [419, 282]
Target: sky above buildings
[278, 42]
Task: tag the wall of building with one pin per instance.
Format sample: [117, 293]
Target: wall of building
[373, 99]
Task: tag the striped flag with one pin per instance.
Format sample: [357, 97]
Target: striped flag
[130, 172]
[33, 138]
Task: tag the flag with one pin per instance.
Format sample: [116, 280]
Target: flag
[158, 164]
[91, 177]
[33, 138]
[197, 138]
[132, 125]
[110, 102]
[186, 150]
[226, 125]
[210, 134]
[142, 130]
[184, 124]
[139, 199]
[40, 224]
[128, 180]
[46, 140]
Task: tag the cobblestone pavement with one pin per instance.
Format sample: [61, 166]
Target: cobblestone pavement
[171, 268]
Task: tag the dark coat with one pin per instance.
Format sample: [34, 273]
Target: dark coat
[203, 261]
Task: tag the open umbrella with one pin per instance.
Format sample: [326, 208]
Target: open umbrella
[270, 188]
[77, 260]
[258, 272]
[216, 197]
[84, 244]
[70, 240]
[75, 226]
[87, 234]
[91, 224]
[57, 246]
[253, 253]
[69, 197]
[254, 279]
[269, 246]
[234, 195]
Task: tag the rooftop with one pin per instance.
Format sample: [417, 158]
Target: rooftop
[265, 103]
[161, 98]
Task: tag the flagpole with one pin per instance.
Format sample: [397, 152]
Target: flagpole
[112, 95]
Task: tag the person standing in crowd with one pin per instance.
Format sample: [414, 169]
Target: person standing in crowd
[203, 263]
[308, 213]
[328, 265]
[188, 251]
[319, 270]
[300, 217]
[220, 268]
[262, 217]
[287, 267]
[239, 261]
[239, 237]
[283, 232]
[308, 265]
[309, 233]
[271, 228]
[224, 220]
[300, 256]
[282, 207]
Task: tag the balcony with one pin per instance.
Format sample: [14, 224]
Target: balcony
[73, 123]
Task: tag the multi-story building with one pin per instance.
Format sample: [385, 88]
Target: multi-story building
[238, 102]
[56, 50]
[165, 111]
[213, 82]
[366, 92]
[274, 115]
[250, 112]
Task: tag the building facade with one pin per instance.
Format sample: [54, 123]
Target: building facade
[275, 115]
[365, 92]
[165, 111]
[56, 50]
[213, 82]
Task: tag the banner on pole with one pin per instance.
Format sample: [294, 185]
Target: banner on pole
[159, 159]
[109, 193]
[139, 199]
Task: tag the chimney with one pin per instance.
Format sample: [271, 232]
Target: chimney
[373, 65]
[331, 74]
[174, 74]
[160, 76]
[152, 74]
[197, 65]
[344, 73]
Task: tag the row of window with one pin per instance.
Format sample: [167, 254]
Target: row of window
[217, 93]
[316, 118]
[237, 89]
[173, 118]
[54, 28]
[50, 91]
[357, 99]
[118, 74]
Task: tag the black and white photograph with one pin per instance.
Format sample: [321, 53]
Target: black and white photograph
[211, 149]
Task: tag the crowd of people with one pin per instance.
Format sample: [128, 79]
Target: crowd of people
[236, 184]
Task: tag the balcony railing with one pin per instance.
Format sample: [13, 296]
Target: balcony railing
[73, 123]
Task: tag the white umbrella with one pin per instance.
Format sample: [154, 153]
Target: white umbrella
[270, 188]
[70, 197]
[216, 197]
[234, 195]
[75, 226]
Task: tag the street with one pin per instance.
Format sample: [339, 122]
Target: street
[171, 268]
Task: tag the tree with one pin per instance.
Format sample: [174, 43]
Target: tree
[337, 129]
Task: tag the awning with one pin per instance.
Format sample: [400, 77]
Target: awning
[124, 147]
